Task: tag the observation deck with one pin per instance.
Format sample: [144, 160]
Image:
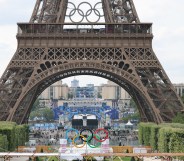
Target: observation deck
[85, 30]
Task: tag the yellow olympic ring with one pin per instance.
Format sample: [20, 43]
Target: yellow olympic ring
[73, 141]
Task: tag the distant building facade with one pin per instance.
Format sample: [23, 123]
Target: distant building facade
[74, 83]
[113, 91]
[179, 89]
[115, 94]
[59, 91]
[83, 92]
[109, 91]
[56, 91]
[89, 91]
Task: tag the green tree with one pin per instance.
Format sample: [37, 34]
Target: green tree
[182, 98]
[70, 95]
[35, 113]
[179, 118]
[46, 113]
[135, 116]
[132, 104]
[99, 95]
[36, 105]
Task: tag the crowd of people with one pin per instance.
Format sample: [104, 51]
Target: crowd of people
[53, 136]
[46, 136]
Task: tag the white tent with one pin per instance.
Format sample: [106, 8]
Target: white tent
[129, 123]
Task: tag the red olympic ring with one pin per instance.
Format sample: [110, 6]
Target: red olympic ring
[102, 140]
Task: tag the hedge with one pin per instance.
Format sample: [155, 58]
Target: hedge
[3, 143]
[173, 125]
[163, 137]
[176, 143]
[154, 136]
[8, 129]
[145, 133]
[15, 135]
[21, 135]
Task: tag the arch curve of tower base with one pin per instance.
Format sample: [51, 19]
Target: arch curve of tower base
[118, 49]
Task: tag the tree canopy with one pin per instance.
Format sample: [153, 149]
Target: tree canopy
[179, 118]
[41, 112]
[182, 98]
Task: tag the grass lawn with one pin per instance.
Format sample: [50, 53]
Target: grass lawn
[53, 159]
[118, 159]
[47, 159]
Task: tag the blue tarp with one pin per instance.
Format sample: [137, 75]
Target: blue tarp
[44, 126]
[62, 110]
[58, 111]
[114, 114]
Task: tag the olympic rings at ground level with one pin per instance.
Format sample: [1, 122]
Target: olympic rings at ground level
[71, 129]
[84, 143]
[94, 146]
[89, 138]
[105, 131]
[86, 139]
[79, 136]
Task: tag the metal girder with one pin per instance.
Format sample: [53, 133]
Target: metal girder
[114, 11]
[119, 49]
[111, 63]
[49, 11]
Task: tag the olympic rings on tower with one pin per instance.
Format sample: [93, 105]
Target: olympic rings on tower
[84, 11]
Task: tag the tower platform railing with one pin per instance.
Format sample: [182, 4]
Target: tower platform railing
[82, 29]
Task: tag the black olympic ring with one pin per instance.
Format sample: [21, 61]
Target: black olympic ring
[91, 136]
[88, 139]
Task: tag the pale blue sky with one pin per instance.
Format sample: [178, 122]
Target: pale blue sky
[168, 30]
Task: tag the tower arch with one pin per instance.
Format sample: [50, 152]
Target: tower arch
[120, 77]
[119, 49]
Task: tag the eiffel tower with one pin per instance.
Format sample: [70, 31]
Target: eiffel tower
[103, 38]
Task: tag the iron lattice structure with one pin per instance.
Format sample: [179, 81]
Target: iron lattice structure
[119, 49]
